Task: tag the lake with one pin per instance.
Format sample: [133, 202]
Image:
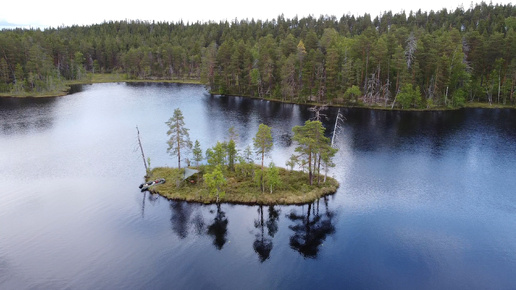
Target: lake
[427, 199]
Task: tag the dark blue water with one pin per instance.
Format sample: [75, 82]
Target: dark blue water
[427, 199]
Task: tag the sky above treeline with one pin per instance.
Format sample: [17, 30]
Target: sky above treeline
[57, 13]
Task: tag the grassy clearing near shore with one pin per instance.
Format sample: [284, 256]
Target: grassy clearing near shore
[93, 79]
[294, 188]
[100, 78]
[489, 106]
[36, 94]
[115, 77]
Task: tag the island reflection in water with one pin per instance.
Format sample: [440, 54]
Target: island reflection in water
[310, 226]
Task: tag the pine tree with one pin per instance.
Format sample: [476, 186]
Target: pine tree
[262, 144]
[179, 137]
[312, 145]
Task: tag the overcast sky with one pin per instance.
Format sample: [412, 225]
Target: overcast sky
[54, 13]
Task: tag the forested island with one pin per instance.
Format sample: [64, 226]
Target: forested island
[419, 60]
[231, 175]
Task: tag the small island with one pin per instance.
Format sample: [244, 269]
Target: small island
[231, 176]
[291, 189]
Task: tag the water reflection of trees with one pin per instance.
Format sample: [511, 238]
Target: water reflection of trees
[20, 115]
[187, 217]
[372, 130]
[152, 199]
[218, 229]
[311, 228]
[312, 224]
[246, 114]
[262, 245]
[180, 219]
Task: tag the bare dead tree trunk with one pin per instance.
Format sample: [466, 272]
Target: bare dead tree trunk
[310, 164]
[435, 81]
[367, 64]
[317, 110]
[379, 82]
[489, 96]
[314, 168]
[499, 84]
[319, 170]
[446, 96]
[386, 92]
[410, 49]
[178, 146]
[141, 149]
[339, 119]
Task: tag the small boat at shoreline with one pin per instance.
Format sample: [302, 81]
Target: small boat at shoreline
[145, 186]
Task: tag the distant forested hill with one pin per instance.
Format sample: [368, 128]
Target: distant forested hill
[419, 59]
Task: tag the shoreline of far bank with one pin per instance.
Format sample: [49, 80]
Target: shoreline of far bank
[122, 78]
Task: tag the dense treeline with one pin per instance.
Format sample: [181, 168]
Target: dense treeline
[422, 59]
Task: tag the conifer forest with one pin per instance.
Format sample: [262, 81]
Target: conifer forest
[401, 60]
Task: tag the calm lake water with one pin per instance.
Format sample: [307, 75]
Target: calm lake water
[427, 199]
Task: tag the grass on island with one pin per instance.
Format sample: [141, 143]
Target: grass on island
[293, 188]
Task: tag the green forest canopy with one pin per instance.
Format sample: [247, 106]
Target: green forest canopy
[442, 58]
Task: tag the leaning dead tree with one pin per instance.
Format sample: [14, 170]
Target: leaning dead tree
[141, 149]
[328, 156]
[339, 120]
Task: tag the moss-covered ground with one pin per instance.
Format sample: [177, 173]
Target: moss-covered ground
[242, 189]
